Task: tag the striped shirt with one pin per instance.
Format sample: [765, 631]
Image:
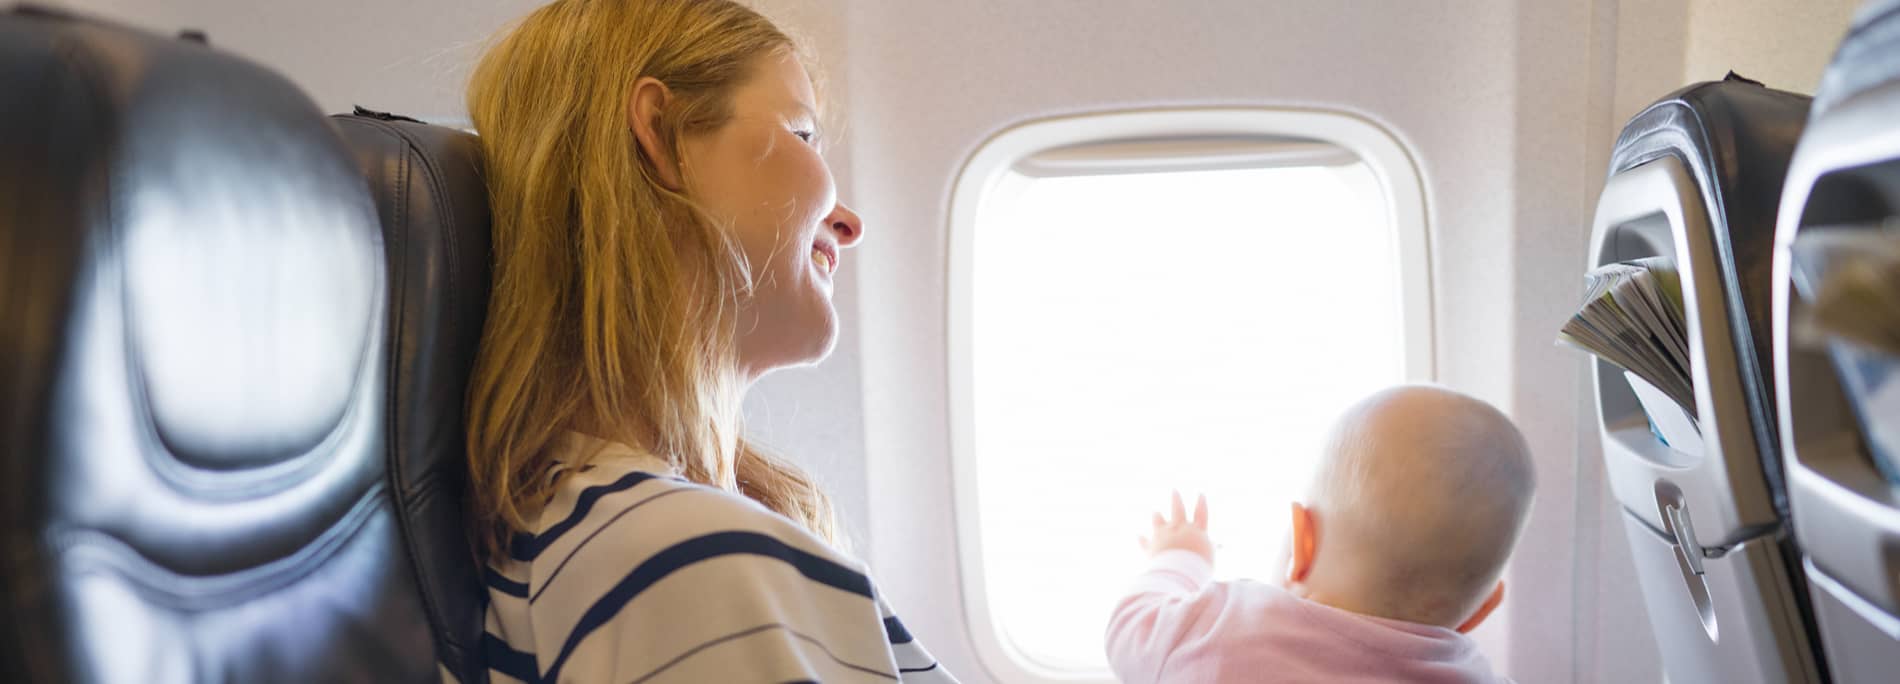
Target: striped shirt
[635, 575]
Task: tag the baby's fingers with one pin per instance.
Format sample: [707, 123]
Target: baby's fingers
[1159, 522]
[1200, 512]
[1180, 511]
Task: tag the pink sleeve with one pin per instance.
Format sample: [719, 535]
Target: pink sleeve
[1163, 609]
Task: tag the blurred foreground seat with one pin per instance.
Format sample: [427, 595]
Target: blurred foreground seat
[230, 405]
[1840, 401]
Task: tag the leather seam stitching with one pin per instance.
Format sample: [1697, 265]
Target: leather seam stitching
[432, 607]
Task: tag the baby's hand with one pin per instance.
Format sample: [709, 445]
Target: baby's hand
[1180, 532]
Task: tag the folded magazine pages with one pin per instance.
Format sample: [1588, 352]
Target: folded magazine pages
[1632, 317]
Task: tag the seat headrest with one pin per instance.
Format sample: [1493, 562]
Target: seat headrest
[194, 433]
[428, 186]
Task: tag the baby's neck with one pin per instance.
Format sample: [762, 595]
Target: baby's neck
[1335, 597]
[1332, 599]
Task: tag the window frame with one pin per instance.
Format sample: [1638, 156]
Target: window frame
[984, 174]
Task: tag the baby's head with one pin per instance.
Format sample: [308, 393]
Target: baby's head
[1419, 499]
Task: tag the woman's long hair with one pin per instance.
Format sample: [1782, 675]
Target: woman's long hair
[615, 300]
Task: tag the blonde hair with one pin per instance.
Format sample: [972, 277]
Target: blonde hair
[615, 299]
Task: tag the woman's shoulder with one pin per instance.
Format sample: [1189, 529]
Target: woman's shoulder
[622, 511]
[631, 571]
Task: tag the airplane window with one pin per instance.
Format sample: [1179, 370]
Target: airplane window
[1150, 327]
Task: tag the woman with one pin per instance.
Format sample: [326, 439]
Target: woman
[665, 232]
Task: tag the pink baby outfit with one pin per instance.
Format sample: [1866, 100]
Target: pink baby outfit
[1178, 627]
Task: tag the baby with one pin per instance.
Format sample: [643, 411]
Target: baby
[1395, 555]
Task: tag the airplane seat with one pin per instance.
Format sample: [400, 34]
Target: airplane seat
[1697, 177]
[428, 187]
[195, 376]
[1840, 402]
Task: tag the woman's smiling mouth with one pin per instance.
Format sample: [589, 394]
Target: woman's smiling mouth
[824, 257]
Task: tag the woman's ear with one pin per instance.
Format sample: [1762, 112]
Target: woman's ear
[1484, 611]
[1305, 545]
[644, 109]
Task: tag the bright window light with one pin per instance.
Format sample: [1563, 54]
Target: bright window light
[1132, 333]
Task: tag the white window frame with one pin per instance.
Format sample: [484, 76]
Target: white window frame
[982, 177]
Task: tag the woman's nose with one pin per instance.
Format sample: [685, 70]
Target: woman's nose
[845, 224]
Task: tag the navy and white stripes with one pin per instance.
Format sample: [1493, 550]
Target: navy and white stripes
[635, 576]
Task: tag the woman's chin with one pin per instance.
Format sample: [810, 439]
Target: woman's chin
[822, 343]
[823, 334]
[793, 351]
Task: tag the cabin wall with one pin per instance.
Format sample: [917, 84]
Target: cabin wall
[407, 57]
[1784, 45]
[1612, 640]
[410, 58]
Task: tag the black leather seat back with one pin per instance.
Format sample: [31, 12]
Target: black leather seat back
[428, 187]
[193, 375]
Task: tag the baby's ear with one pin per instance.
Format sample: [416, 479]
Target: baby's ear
[1305, 545]
[1484, 611]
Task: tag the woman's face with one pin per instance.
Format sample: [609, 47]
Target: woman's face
[762, 175]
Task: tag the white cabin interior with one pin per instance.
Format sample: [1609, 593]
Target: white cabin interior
[1489, 125]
